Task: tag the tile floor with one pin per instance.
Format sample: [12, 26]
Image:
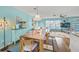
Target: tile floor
[74, 43]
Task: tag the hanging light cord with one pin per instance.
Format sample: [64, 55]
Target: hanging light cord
[36, 8]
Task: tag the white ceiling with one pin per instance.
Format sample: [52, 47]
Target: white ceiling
[48, 11]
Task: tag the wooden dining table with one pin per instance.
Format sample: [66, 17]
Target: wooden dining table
[36, 35]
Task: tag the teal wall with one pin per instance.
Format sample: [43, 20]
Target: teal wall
[13, 35]
[74, 22]
[42, 23]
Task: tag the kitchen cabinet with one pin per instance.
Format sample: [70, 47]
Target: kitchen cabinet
[1, 38]
[13, 36]
[8, 36]
[17, 33]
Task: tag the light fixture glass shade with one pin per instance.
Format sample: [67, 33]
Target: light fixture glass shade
[37, 18]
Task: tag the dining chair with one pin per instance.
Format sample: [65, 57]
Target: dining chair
[28, 45]
[60, 44]
[47, 44]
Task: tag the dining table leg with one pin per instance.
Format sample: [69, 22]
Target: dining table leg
[41, 45]
[21, 44]
[47, 40]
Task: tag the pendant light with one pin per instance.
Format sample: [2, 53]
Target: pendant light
[37, 17]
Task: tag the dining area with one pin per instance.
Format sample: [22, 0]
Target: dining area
[39, 41]
[36, 33]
